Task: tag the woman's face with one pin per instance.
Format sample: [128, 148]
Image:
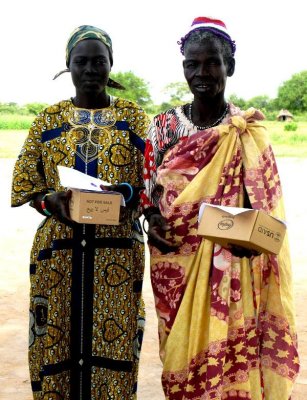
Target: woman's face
[90, 67]
[205, 69]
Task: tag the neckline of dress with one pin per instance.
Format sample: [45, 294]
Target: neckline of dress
[213, 124]
[189, 124]
[112, 102]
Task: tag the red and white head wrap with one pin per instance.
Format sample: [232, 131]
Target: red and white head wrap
[215, 26]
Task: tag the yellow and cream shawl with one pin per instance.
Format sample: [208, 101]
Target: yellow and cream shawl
[226, 325]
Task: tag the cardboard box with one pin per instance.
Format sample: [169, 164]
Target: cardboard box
[252, 229]
[92, 207]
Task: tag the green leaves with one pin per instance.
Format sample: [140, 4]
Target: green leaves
[136, 89]
[292, 94]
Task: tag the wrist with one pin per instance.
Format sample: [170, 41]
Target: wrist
[150, 211]
[128, 191]
[44, 206]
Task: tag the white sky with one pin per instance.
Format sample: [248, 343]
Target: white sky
[270, 36]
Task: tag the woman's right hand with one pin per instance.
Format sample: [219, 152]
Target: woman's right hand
[57, 203]
[239, 251]
[157, 227]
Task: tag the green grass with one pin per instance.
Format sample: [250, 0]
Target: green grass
[279, 135]
[285, 143]
[284, 150]
[15, 122]
[288, 143]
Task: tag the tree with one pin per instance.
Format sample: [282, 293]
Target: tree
[262, 102]
[237, 101]
[178, 92]
[35, 108]
[292, 94]
[9, 108]
[136, 89]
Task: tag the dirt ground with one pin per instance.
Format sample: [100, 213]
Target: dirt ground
[17, 230]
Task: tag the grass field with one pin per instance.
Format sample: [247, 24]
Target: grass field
[285, 143]
[15, 121]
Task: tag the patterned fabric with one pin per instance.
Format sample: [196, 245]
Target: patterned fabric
[226, 325]
[86, 309]
[84, 32]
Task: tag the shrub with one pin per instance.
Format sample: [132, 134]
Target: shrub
[269, 115]
[290, 126]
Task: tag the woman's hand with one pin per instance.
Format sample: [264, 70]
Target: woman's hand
[239, 251]
[156, 234]
[124, 188]
[57, 204]
[116, 188]
[120, 189]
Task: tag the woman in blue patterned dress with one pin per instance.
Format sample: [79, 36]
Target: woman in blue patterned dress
[86, 309]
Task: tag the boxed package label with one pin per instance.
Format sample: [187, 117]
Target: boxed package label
[252, 229]
[91, 207]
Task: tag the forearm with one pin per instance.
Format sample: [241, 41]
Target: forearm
[149, 211]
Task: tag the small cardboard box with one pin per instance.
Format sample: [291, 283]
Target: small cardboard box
[248, 228]
[91, 207]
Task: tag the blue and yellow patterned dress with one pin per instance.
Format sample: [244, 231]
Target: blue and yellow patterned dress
[86, 309]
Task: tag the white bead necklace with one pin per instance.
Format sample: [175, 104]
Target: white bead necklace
[211, 125]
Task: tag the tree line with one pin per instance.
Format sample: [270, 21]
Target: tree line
[292, 95]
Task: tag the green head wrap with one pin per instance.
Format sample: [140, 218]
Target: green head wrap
[85, 32]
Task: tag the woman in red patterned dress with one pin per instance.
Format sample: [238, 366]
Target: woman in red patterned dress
[226, 318]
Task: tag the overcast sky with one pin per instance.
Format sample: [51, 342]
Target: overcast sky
[270, 36]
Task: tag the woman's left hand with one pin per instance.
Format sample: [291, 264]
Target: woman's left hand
[124, 188]
[114, 188]
[118, 189]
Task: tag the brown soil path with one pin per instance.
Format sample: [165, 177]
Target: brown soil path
[17, 229]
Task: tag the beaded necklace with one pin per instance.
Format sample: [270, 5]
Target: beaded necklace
[211, 125]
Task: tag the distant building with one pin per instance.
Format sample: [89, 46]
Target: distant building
[284, 115]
